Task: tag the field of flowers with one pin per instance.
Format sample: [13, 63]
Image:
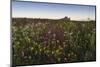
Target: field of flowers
[38, 41]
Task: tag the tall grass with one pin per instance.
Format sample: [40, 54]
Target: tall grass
[48, 41]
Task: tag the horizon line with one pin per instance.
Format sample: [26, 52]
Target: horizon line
[88, 19]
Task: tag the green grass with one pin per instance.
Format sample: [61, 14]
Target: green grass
[49, 41]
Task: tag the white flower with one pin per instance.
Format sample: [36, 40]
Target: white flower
[71, 33]
[57, 41]
[54, 35]
[49, 31]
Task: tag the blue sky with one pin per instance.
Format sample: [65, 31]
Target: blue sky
[52, 11]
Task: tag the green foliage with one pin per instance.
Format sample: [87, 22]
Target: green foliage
[58, 42]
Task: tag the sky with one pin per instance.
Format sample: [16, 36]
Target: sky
[52, 11]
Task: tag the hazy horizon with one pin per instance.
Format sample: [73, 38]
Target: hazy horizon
[52, 11]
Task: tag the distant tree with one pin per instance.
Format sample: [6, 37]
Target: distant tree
[66, 18]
